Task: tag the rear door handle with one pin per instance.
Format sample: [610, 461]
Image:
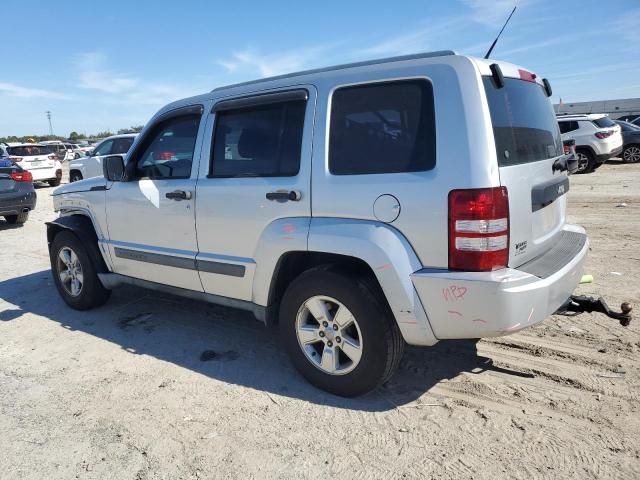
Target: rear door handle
[284, 196]
[179, 195]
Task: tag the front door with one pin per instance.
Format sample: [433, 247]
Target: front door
[151, 216]
[254, 189]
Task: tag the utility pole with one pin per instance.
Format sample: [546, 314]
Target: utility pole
[49, 118]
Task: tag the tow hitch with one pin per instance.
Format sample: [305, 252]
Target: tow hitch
[577, 304]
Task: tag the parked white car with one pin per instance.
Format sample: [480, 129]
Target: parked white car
[361, 207]
[91, 165]
[597, 138]
[37, 159]
[64, 151]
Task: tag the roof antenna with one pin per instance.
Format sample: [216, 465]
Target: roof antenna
[496, 40]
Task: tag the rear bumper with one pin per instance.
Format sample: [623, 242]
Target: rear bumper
[41, 174]
[490, 304]
[606, 156]
[16, 202]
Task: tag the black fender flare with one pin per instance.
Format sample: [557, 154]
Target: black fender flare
[82, 227]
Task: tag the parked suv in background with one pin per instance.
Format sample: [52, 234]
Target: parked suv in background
[37, 159]
[351, 205]
[91, 165]
[597, 138]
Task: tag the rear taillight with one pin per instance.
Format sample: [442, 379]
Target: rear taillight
[478, 229]
[15, 159]
[51, 157]
[606, 134]
[21, 176]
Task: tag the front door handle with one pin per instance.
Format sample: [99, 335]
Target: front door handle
[179, 195]
[284, 196]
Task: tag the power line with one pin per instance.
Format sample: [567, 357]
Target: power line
[49, 118]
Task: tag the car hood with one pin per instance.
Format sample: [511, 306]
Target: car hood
[85, 185]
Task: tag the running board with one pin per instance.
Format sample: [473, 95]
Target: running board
[577, 304]
[113, 280]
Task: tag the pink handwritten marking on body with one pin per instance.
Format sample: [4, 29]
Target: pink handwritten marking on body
[530, 315]
[453, 293]
[409, 322]
[454, 312]
[288, 228]
[288, 238]
[513, 327]
[479, 320]
[386, 266]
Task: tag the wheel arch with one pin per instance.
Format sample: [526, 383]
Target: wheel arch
[82, 227]
[374, 249]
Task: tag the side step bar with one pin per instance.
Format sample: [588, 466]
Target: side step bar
[577, 304]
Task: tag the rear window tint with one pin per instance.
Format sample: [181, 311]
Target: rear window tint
[524, 123]
[29, 150]
[382, 128]
[604, 122]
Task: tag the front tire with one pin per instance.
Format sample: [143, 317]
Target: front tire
[19, 219]
[631, 154]
[74, 274]
[339, 333]
[75, 177]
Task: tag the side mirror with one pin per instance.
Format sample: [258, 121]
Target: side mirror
[113, 168]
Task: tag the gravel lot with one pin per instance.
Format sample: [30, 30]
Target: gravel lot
[121, 392]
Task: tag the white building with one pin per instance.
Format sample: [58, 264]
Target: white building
[615, 108]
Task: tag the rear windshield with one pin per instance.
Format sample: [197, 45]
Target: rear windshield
[30, 150]
[524, 123]
[604, 122]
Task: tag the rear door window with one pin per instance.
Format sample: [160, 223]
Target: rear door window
[568, 126]
[121, 145]
[382, 128]
[525, 127]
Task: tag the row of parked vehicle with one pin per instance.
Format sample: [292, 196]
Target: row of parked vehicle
[598, 138]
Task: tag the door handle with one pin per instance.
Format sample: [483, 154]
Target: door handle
[284, 196]
[178, 195]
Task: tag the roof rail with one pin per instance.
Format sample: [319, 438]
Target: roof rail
[402, 58]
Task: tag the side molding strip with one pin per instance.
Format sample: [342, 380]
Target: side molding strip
[229, 269]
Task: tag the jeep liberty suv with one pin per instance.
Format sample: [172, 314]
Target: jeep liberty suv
[360, 207]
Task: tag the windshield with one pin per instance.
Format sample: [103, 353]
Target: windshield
[29, 150]
[524, 124]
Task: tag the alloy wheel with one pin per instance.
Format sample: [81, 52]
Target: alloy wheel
[70, 271]
[329, 335]
[631, 154]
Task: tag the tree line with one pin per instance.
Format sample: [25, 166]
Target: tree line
[73, 136]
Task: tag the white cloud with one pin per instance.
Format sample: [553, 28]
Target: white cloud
[250, 61]
[95, 73]
[14, 90]
[493, 13]
[427, 37]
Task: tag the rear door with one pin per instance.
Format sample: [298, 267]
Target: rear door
[528, 143]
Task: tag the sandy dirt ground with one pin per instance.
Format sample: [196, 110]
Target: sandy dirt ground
[121, 392]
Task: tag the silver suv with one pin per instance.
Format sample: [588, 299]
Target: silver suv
[361, 207]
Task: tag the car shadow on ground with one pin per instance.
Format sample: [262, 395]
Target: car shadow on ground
[226, 344]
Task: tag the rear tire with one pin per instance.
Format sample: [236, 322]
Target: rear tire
[631, 154]
[74, 274]
[19, 219]
[54, 183]
[362, 343]
[589, 157]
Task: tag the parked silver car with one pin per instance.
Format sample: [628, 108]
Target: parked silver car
[361, 207]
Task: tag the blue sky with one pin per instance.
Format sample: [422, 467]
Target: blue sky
[113, 66]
